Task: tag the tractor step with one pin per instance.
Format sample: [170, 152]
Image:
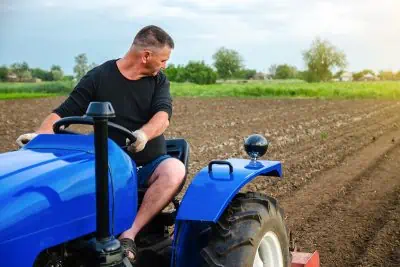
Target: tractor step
[301, 259]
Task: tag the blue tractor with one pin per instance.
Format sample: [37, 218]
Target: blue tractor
[65, 197]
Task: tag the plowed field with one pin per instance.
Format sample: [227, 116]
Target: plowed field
[341, 159]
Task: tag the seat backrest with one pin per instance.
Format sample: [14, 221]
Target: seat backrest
[179, 148]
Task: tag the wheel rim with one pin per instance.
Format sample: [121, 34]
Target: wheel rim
[269, 252]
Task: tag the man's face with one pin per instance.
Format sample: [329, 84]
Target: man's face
[157, 60]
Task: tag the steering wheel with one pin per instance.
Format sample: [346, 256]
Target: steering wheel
[59, 127]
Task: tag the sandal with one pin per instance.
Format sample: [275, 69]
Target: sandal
[128, 245]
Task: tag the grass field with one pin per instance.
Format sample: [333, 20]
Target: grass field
[36, 88]
[7, 96]
[281, 89]
[346, 90]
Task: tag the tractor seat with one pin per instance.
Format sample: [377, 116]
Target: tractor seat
[179, 149]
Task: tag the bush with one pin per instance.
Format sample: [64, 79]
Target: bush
[3, 73]
[200, 73]
[194, 72]
[245, 74]
[176, 74]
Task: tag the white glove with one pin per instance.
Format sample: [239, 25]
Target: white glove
[25, 138]
[141, 140]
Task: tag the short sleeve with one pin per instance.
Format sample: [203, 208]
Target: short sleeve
[79, 99]
[162, 100]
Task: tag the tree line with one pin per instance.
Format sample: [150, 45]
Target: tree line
[323, 62]
[21, 72]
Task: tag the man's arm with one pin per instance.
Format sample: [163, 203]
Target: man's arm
[47, 125]
[157, 125]
[74, 105]
[45, 128]
[161, 107]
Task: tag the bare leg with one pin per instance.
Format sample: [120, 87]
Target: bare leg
[164, 183]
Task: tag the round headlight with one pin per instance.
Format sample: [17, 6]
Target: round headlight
[256, 146]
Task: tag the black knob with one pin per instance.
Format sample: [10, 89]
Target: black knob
[256, 146]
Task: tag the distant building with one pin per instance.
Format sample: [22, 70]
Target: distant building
[260, 76]
[369, 77]
[12, 77]
[346, 77]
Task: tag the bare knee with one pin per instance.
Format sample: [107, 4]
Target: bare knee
[172, 172]
[176, 172]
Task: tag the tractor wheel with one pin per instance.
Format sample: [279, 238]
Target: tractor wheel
[250, 233]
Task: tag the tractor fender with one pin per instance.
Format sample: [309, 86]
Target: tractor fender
[213, 188]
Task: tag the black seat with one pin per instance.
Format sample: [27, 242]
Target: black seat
[179, 149]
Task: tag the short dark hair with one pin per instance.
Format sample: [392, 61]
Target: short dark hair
[153, 36]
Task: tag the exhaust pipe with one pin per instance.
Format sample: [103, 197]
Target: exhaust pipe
[101, 112]
[108, 250]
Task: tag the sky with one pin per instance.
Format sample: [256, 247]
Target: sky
[264, 32]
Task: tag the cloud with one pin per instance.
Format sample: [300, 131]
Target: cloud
[277, 30]
[258, 18]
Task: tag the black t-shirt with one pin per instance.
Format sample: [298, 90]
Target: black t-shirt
[134, 103]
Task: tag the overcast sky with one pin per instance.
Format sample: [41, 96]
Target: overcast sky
[264, 32]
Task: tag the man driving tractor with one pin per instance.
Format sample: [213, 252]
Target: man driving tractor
[140, 95]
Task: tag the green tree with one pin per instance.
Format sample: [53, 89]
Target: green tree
[285, 72]
[3, 73]
[227, 62]
[56, 72]
[56, 67]
[42, 74]
[92, 66]
[176, 73]
[198, 72]
[26, 76]
[21, 70]
[81, 66]
[338, 74]
[181, 74]
[68, 78]
[359, 75]
[172, 72]
[246, 74]
[321, 59]
[272, 71]
[302, 75]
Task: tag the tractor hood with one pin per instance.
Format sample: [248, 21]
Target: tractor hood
[32, 170]
[37, 182]
[49, 186]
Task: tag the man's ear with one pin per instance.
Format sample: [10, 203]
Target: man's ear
[146, 56]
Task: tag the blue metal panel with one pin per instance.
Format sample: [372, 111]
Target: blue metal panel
[47, 194]
[209, 193]
[189, 239]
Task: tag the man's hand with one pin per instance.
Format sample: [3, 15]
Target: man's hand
[141, 140]
[25, 138]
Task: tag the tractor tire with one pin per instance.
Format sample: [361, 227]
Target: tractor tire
[250, 233]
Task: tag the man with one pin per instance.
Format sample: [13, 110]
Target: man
[139, 93]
